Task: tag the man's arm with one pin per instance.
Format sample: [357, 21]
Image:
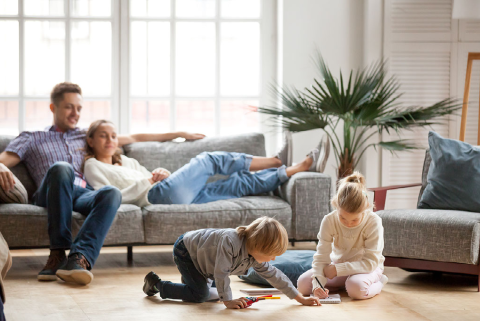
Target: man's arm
[129, 139]
[7, 159]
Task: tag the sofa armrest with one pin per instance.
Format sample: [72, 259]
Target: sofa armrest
[308, 194]
[380, 194]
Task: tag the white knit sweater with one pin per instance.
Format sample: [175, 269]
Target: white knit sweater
[355, 250]
[131, 179]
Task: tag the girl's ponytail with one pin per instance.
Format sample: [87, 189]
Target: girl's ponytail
[352, 194]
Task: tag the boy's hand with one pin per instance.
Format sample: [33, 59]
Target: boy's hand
[319, 293]
[236, 304]
[307, 300]
[330, 271]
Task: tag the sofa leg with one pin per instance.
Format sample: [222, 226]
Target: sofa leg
[293, 243]
[129, 254]
[478, 289]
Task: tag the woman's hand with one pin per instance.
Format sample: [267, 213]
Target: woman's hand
[330, 271]
[237, 303]
[319, 293]
[307, 300]
[159, 175]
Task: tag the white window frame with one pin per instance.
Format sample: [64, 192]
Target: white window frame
[22, 98]
[268, 62]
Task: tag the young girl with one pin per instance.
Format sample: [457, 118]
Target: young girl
[208, 255]
[356, 233]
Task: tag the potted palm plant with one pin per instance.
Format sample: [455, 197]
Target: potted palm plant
[366, 101]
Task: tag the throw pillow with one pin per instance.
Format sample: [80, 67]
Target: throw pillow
[453, 177]
[18, 194]
[291, 263]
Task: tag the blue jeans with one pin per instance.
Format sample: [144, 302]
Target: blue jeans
[60, 196]
[188, 185]
[2, 314]
[196, 287]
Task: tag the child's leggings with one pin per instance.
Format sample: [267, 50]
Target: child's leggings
[358, 286]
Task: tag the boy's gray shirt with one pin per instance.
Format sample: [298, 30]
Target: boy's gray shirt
[218, 253]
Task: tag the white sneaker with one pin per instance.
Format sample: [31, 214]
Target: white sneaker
[324, 148]
[285, 153]
[313, 155]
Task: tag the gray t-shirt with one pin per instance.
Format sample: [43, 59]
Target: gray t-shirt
[219, 253]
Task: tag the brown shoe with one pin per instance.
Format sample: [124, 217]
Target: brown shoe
[56, 259]
[76, 270]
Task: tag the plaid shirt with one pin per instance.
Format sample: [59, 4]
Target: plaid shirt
[39, 150]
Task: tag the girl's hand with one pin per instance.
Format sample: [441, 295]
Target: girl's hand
[319, 293]
[236, 304]
[307, 300]
[330, 271]
[159, 175]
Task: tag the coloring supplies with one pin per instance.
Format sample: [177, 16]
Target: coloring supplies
[331, 299]
[253, 299]
[261, 291]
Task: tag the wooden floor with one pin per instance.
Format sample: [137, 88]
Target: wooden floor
[116, 294]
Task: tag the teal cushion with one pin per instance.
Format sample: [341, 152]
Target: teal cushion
[291, 263]
[453, 177]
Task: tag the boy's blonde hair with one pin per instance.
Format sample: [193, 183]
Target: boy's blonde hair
[265, 235]
[352, 194]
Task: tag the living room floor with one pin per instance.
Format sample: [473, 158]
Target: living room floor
[116, 294]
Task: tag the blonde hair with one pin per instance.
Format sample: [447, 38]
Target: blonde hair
[352, 194]
[265, 235]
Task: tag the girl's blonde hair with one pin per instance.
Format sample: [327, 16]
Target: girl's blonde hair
[352, 194]
[265, 235]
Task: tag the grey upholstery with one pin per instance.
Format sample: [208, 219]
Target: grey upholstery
[436, 235]
[426, 167]
[165, 223]
[304, 201]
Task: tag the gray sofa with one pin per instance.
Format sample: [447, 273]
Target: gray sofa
[426, 239]
[300, 203]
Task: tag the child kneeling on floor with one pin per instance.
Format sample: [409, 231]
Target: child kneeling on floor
[208, 255]
[356, 233]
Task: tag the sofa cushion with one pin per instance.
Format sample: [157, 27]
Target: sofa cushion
[453, 177]
[127, 227]
[426, 166]
[165, 223]
[436, 235]
[17, 194]
[172, 155]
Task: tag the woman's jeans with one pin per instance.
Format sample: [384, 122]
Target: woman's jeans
[188, 185]
[196, 287]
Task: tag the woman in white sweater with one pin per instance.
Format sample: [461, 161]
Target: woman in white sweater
[105, 166]
[350, 245]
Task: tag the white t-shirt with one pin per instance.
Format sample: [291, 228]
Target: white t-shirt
[353, 250]
[131, 179]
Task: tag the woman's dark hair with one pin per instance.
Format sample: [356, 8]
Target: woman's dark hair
[89, 153]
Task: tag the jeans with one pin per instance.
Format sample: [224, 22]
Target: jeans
[2, 314]
[60, 196]
[196, 287]
[188, 185]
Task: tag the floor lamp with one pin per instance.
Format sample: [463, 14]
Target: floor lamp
[463, 127]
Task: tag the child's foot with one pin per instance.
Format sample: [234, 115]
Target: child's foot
[149, 287]
[384, 279]
[285, 153]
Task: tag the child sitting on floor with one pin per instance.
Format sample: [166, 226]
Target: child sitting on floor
[205, 255]
[356, 233]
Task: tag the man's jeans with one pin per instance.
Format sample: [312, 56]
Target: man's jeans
[2, 314]
[60, 196]
[196, 287]
[189, 185]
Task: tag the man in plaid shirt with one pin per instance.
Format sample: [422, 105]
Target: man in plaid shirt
[54, 158]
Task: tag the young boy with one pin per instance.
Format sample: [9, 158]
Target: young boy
[205, 255]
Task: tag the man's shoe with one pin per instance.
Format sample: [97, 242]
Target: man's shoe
[149, 287]
[285, 153]
[55, 260]
[76, 270]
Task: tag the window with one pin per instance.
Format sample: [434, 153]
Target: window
[147, 65]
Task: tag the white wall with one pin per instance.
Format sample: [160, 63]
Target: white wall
[337, 29]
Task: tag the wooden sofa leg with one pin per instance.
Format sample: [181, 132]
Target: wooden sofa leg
[129, 254]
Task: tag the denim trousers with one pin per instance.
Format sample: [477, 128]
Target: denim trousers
[60, 196]
[188, 185]
[2, 313]
[196, 288]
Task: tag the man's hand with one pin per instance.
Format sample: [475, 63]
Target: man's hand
[330, 271]
[7, 182]
[190, 136]
[236, 304]
[307, 300]
[159, 175]
[319, 293]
